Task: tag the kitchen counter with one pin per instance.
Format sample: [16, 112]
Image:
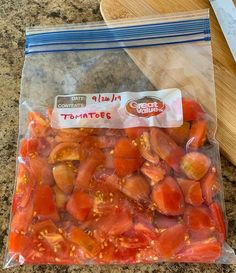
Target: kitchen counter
[15, 15]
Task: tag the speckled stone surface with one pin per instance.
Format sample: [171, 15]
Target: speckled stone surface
[15, 15]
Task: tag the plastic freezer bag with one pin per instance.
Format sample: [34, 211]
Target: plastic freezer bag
[112, 169]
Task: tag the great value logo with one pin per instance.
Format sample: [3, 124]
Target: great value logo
[145, 107]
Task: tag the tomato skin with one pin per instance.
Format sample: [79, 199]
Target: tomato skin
[164, 222]
[198, 218]
[136, 187]
[168, 197]
[202, 251]
[192, 191]
[83, 240]
[179, 134]
[79, 205]
[218, 217]
[191, 110]
[44, 203]
[172, 240]
[210, 186]
[135, 132]
[195, 165]
[198, 134]
[166, 148]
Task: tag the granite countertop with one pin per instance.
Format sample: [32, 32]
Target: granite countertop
[15, 15]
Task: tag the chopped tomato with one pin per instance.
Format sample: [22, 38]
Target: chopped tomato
[79, 205]
[24, 186]
[71, 135]
[64, 176]
[44, 203]
[22, 218]
[60, 198]
[218, 217]
[87, 168]
[28, 147]
[83, 240]
[135, 132]
[210, 186]
[164, 222]
[127, 158]
[114, 223]
[144, 147]
[17, 242]
[198, 218]
[179, 134]
[38, 124]
[41, 170]
[168, 197]
[136, 187]
[64, 151]
[192, 110]
[172, 240]
[195, 165]
[166, 148]
[192, 191]
[202, 251]
[198, 134]
[103, 142]
[155, 172]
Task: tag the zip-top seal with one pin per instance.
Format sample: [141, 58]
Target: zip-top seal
[119, 34]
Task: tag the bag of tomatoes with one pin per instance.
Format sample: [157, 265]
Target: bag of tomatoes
[116, 165]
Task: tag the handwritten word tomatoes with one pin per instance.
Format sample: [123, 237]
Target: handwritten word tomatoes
[104, 196]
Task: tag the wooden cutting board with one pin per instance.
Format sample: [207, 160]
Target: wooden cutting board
[224, 65]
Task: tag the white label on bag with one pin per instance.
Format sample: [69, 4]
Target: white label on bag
[161, 108]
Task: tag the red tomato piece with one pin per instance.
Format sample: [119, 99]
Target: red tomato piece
[210, 186]
[83, 240]
[22, 218]
[198, 134]
[116, 222]
[164, 222]
[192, 191]
[24, 186]
[203, 251]
[17, 242]
[172, 240]
[195, 165]
[44, 203]
[41, 170]
[136, 187]
[65, 151]
[192, 110]
[135, 132]
[38, 124]
[127, 158]
[87, 167]
[198, 218]
[179, 134]
[64, 176]
[155, 172]
[28, 147]
[168, 197]
[218, 217]
[166, 148]
[79, 205]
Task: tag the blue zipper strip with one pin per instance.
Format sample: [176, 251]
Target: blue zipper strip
[133, 36]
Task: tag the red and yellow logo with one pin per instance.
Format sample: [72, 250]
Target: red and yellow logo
[145, 107]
